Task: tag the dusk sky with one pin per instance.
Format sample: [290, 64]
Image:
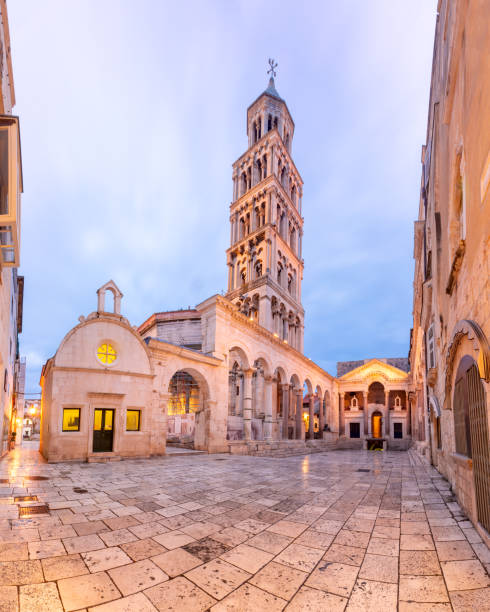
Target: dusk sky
[132, 114]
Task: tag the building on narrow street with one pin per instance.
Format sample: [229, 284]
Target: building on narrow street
[450, 351]
[11, 285]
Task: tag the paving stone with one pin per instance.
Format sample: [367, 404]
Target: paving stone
[279, 579]
[369, 595]
[288, 528]
[177, 561]
[380, 568]
[218, 578]
[133, 603]
[173, 539]
[179, 595]
[270, 542]
[142, 549]
[40, 598]
[105, 559]
[464, 575]
[313, 600]
[315, 539]
[89, 527]
[300, 557]
[137, 576]
[8, 599]
[454, 551]
[416, 542]
[384, 546]
[447, 534]
[469, 601]
[206, 549]
[419, 563]
[247, 558]
[423, 589]
[414, 527]
[345, 554]
[231, 536]
[336, 578]
[356, 539]
[46, 548]
[86, 591]
[249, 598]
[20, 573]
[13, 551]
[117, 537]
[56, 568]
[83, 544]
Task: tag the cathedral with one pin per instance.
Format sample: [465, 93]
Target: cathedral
[229, 375]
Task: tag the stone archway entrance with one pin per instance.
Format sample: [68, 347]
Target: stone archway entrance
[186, 400]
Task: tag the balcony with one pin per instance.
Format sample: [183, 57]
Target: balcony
[10, 190]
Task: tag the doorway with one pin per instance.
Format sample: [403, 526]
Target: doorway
[376, 424]
[103, 430]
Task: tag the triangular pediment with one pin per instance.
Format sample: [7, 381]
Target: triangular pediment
[375, 369]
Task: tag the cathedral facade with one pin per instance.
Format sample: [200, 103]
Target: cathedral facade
[229, 375]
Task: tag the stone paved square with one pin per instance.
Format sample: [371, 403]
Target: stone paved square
[327, 537]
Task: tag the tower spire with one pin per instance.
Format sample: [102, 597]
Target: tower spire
[264, 258]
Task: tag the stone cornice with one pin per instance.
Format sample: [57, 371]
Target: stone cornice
[230, 309]
[160, 346]
[101, 370]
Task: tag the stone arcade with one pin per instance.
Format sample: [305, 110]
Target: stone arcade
[229, 375]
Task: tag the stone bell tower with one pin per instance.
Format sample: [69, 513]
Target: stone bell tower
[264, 259]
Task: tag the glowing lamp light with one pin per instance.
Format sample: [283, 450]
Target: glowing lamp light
[276, 335]
[32, 410]
[19, 422]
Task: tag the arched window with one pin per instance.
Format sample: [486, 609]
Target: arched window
[258, 269]
[376, 393]
[283, 176]
[269, 123]
[275, 122]
[398, 402]
[353, 402]
[292, 239]
[279, 275]
[264, 167]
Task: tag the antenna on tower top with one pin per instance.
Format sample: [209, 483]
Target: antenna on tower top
[272, 70]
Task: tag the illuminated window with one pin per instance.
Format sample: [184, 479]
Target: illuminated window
[133, 420]
[106, 354]
[71, 419]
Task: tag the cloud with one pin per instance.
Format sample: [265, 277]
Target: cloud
[131, 119]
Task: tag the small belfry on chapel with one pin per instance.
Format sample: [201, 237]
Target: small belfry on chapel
[265, 267]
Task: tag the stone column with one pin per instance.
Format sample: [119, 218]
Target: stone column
[341, 414]
[311, 424]
[247, 404]
[409, 413]
[299, 413]
[285, 411]
[268, 408]
[322, 415]
[366, 411]
[387, 413]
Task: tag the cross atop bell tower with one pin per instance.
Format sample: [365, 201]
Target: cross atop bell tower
[264, 258]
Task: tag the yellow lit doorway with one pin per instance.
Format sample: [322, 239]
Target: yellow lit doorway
[376, 424]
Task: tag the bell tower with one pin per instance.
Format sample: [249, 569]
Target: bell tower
[265, 268]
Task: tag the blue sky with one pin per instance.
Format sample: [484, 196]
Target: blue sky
[132, 114]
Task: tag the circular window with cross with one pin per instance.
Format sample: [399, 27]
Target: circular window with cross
[106, 354]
